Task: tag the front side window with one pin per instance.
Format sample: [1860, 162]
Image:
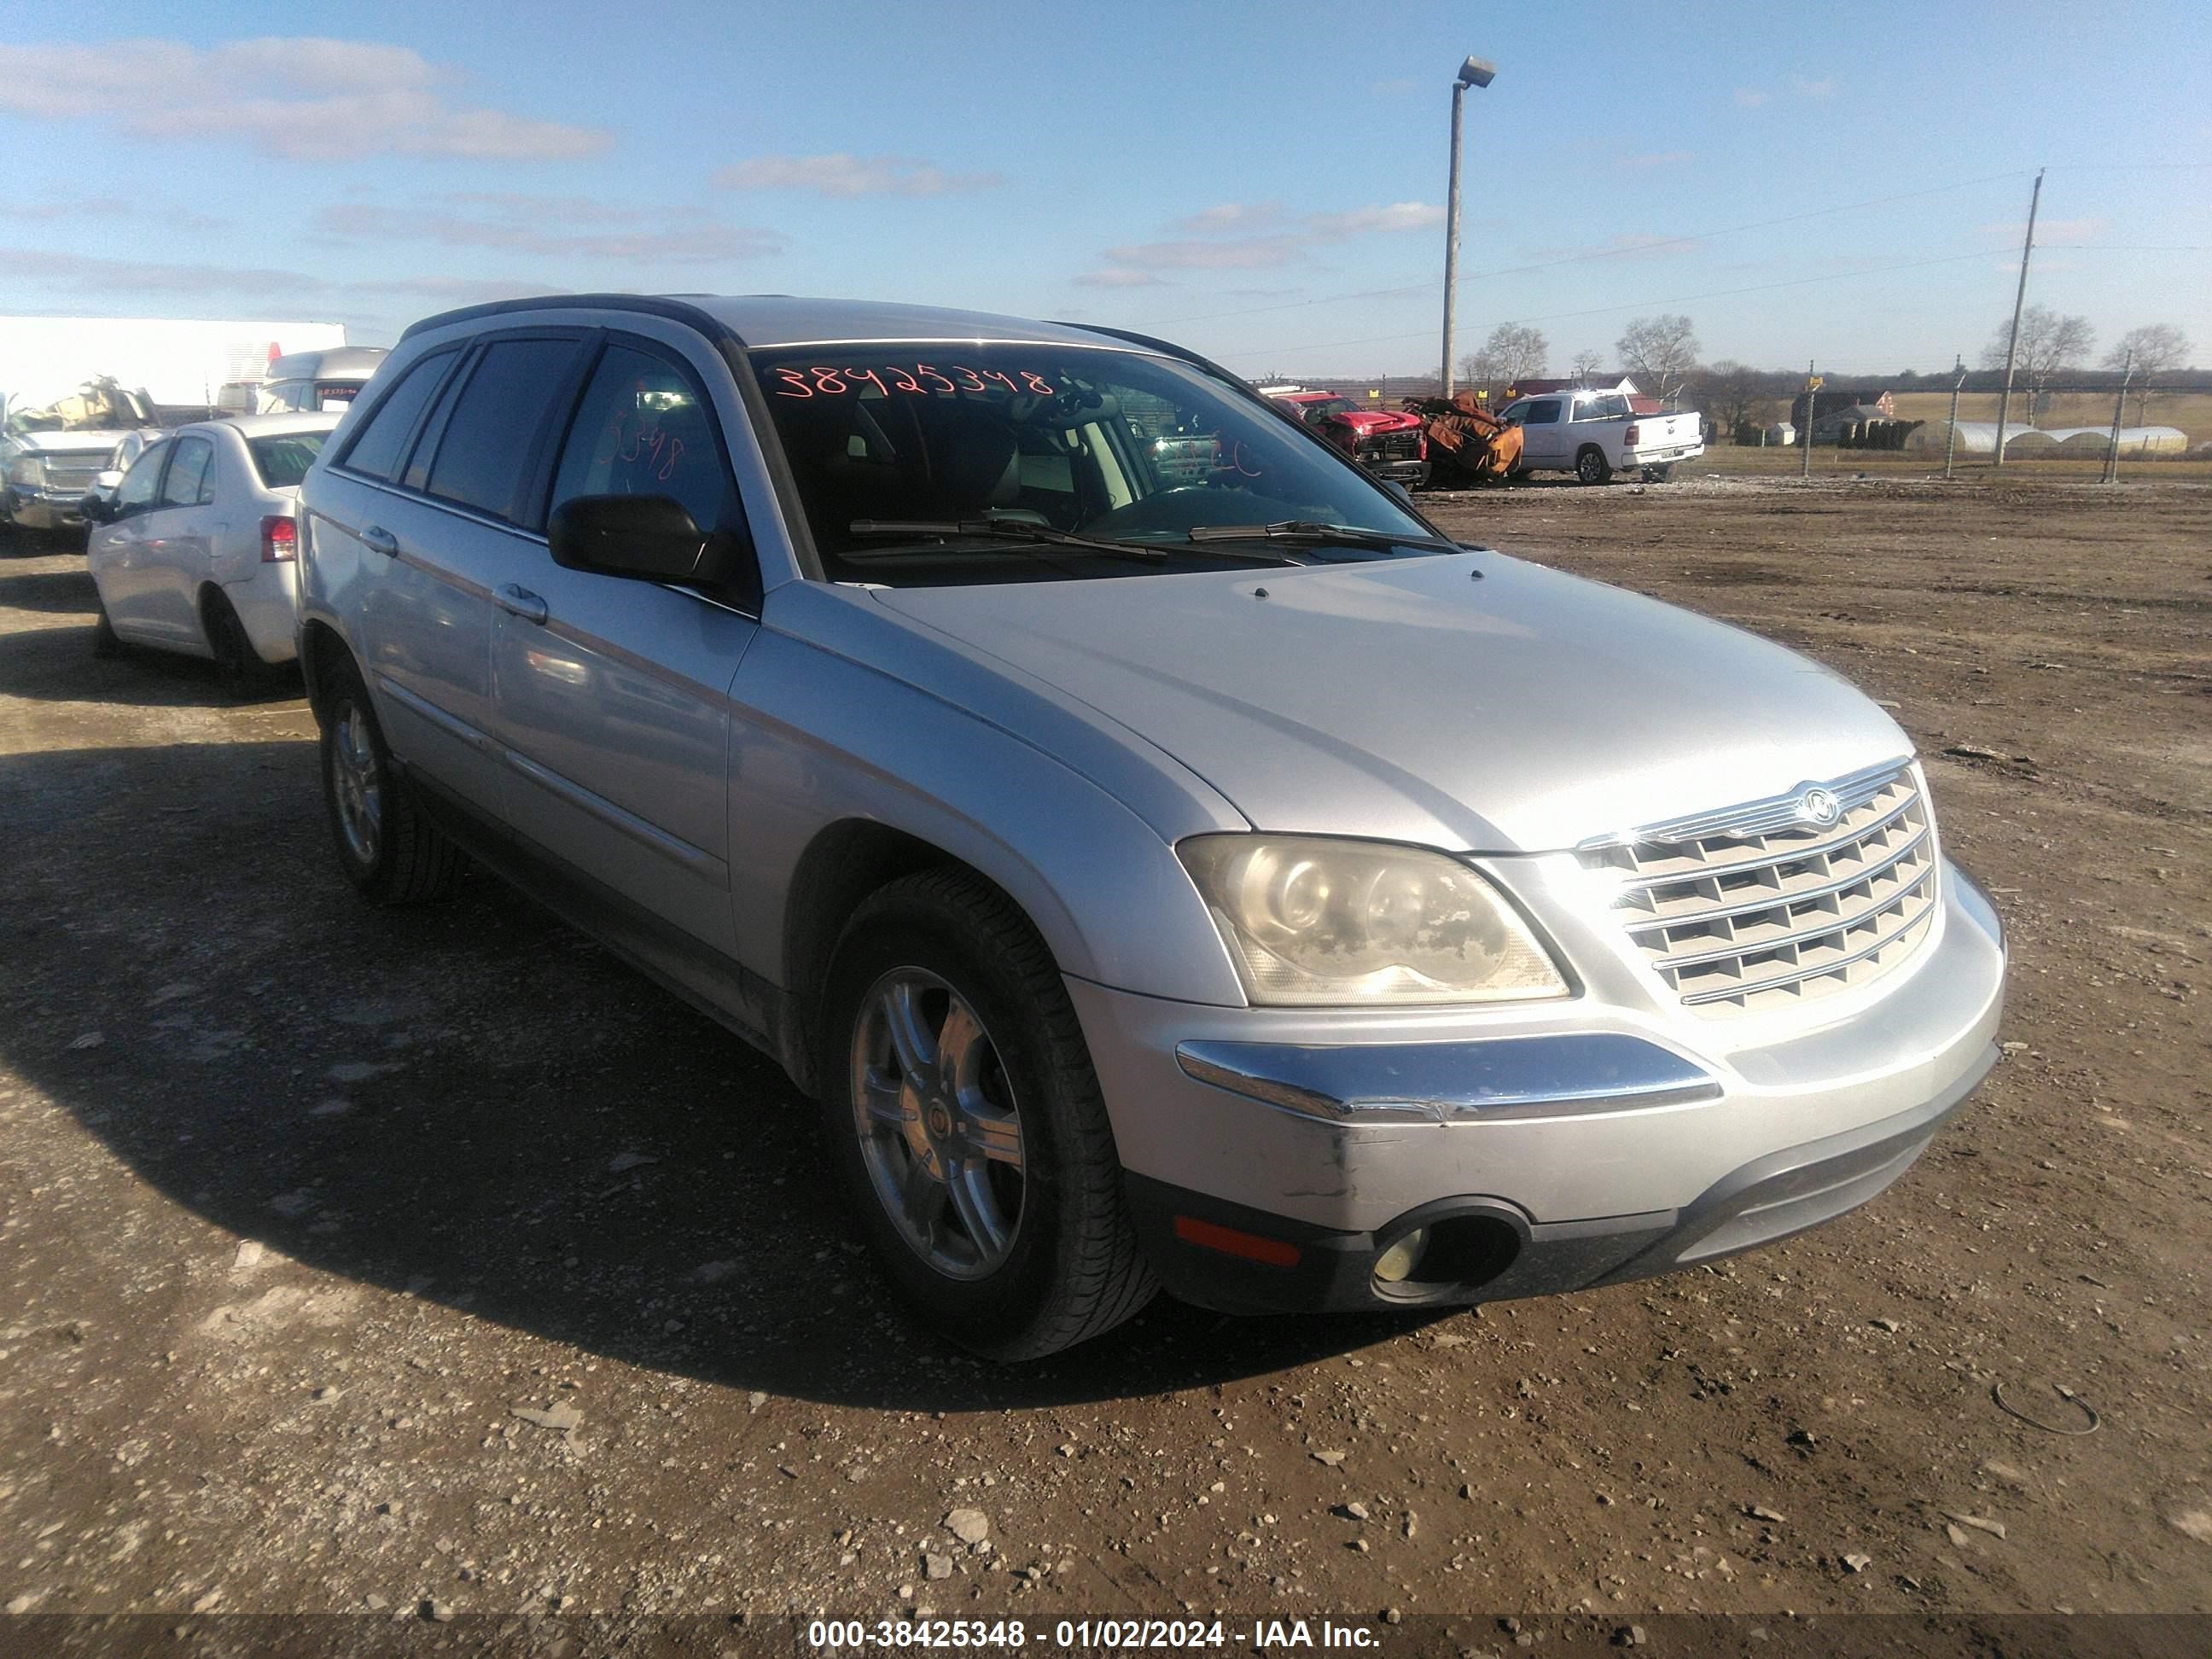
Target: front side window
[383, 442]
[642, 430]
[1543, 411]
[1116, 445]
[136, 493]
[190, 480]
[486, 440]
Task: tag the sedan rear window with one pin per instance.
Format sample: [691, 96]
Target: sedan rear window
[284, 459]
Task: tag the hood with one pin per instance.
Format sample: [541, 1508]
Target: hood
[1367, 420]
[88, 442]
[1406, 699]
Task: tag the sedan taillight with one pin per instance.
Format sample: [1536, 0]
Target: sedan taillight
[280, 540]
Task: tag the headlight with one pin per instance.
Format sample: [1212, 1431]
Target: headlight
[29, 472]
[1311, 921]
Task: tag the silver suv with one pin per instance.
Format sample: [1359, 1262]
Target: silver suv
[1166, 857]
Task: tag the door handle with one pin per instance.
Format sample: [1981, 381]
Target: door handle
[521, 601]
[377, 539]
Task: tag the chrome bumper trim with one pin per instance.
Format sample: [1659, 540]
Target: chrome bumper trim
[1451, 1082]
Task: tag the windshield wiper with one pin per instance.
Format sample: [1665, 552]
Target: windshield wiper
[1308, 530]
[1007, 530]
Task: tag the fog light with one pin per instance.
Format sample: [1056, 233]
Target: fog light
[1397, 1263]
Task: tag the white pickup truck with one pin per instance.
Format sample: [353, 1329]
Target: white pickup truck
[1595, 434]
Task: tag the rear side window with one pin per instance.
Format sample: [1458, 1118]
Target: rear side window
[383, 442]
[189, 481]
[284, 460]
[487, 440]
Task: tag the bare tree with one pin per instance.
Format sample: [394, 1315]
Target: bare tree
[2050, 346]
[2157, 349]
[1587, 363]
[1660, 352]
[1517, 351]
[1732, 392]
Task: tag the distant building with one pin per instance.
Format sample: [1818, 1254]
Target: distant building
[1839, 399]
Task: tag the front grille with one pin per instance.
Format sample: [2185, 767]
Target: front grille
[1391, 447]
[74, 473]
[1755, 908]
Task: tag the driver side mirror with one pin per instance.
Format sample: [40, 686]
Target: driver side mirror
[648, 537]
[99, 509]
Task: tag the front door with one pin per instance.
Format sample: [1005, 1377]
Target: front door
[1543, 439]
[613, 693]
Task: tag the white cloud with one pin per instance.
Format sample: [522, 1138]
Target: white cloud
[1398, 216]
[1752, 98]
[111, 207]
[1230, 215]
[2052, 233]
[1824, 88]
[547, 225]
[1206, 251]
[850, 175]
[1114, 276]
[306, 100]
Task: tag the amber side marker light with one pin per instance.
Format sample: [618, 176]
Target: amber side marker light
[1230, 1241]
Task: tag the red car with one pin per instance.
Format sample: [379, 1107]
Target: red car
[1388, 442]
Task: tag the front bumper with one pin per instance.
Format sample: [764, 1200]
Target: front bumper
[1274, 1174]
[1412, 474]
[36, 509]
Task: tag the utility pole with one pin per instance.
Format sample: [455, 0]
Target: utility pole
[1951, 436]
[2119, 404]
[1812, 396]
[2019, 298]
[1473, 72]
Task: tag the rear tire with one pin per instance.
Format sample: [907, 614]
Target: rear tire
[1591, 465]
[965, 1123]
[236, 662]
[105, 642]
[388, 849]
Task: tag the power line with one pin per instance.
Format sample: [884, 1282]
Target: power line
[1716, 293]
[1595, 254]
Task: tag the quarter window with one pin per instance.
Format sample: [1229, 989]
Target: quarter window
[189, 483]
[383, 442]
[487, 440]
[642, 430]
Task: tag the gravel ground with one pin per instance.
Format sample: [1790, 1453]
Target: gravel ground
[356, 1262]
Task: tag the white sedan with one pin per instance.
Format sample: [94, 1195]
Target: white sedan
[196, 551]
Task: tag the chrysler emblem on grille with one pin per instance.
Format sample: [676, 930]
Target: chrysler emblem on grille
[1818, 807]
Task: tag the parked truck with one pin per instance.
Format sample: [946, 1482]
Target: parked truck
[1595, 434]
[1388, 442]
[73, 388]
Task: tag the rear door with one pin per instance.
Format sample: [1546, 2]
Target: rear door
[174, 555]
[426, 496]
[613, 693]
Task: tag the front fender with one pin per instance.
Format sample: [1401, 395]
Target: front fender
[820, 738]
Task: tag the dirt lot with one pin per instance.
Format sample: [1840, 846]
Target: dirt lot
[305, 1204]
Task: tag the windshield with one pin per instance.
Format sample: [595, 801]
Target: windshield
[1119, 446]
[1326, 406]
[284, 459]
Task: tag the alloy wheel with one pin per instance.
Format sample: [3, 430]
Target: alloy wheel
[940, 1129]
[359, 784]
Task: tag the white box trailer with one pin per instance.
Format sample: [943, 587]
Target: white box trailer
[174, 361]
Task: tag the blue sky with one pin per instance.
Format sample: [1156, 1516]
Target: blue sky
[1225, 173]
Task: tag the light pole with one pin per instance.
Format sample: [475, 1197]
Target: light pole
[1475, 72]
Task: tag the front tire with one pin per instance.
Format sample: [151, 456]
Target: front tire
[388, 849]
[1591, 465]
[966, 1125]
